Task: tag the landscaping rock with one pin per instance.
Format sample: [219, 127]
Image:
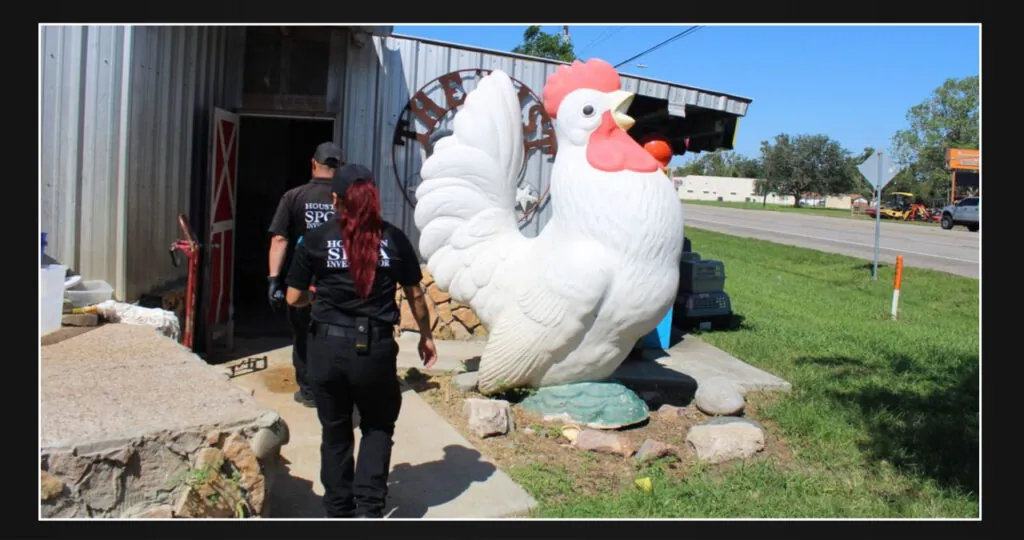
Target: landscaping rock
[489, 417]
[670, 411]
[725, 442]
[721, 420]
[209, 459]
[598, 405]
[237, 450]
[50, 487]
[604, 442]
[465, 382]
[651, 450]
[718, 396]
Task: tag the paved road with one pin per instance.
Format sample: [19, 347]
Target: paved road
[955, 251]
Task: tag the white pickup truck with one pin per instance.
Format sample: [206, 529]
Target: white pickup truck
[965, 212]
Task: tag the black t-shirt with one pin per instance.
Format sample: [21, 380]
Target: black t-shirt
[321, 256]
[301, 208]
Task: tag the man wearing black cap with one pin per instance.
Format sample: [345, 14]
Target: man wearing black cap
[301, 209]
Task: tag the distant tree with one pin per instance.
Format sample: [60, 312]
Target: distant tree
[806, 164]
[949, 118]
[730, 164]
[545, 45]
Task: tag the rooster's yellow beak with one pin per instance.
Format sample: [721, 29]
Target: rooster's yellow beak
[621, 101]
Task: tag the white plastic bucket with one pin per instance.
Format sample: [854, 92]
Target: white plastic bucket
[51, 297]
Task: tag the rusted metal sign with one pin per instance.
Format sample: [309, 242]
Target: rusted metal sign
[429, 113]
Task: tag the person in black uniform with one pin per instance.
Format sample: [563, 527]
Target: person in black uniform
[357, 260]
[301, 209]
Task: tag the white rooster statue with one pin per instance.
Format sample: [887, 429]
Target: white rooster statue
[569, 305]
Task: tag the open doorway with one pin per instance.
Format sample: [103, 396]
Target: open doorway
[273, 156]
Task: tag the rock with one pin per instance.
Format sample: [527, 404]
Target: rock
[717, 396]
[725, 442]
[268, 441]
[209, 459]
[212, 498]
[101, 488]
[80, 319]
[480, 331]
[465, 316]
[652, 398]
[443, 331]
[489, 417]
[530, 431]
[444, 312]
[50, 487]
[407, 322]
[460, 332]
[187, 443]
[604, 442]
[720, 420]
[465, 382]
[437, 295]
[651, 450]
[432, 313]
[163, 511]
[268, 420]
[670, 411]
[237, 450]
[159, 469]
[213, 438]
[596, 405]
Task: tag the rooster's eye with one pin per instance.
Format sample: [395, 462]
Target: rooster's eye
[588, 110]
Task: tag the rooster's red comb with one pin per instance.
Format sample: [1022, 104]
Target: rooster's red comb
[596, 74]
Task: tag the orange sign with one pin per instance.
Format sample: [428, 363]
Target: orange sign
[962, 159]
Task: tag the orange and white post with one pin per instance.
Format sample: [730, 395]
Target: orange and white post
[896, 286]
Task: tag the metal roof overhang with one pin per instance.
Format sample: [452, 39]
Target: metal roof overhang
[693, 119]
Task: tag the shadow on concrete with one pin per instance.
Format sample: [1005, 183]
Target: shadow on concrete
[923, 419]
[293, 497]
[414, 489]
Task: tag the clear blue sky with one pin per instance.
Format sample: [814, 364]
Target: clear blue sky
[852, 83]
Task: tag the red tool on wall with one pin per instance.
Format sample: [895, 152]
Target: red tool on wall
[190, 247]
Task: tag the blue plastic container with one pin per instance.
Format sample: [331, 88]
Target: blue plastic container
[42, 251]
[660, 337]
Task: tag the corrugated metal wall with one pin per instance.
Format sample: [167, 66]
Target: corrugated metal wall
[381, 77]
[125, 113]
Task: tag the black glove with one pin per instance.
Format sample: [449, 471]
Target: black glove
[275, 292]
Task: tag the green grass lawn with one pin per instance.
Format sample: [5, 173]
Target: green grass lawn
[882, 420]
[806, 210]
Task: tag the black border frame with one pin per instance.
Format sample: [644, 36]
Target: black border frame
[22, 510]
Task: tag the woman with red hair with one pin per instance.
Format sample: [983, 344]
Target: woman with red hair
[357, 260]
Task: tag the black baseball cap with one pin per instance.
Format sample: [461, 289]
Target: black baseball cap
[328, 151]
[348, 175]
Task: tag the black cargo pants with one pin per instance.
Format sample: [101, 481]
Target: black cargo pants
[340, 377]
[298, 320]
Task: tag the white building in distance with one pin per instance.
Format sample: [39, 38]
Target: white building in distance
[696, 187]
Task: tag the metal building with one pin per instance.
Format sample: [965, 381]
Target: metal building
[140, 124]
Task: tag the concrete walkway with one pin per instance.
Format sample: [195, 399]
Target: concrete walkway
[436, 472]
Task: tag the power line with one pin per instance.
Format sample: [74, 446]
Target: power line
[601, 38]
[680, 35]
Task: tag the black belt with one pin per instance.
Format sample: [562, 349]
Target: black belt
[375, 332]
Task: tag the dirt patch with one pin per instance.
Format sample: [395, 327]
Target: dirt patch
[539, 446]
[279, 379]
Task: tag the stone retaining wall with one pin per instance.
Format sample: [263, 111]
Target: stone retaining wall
[217, 472]
[448, 319]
